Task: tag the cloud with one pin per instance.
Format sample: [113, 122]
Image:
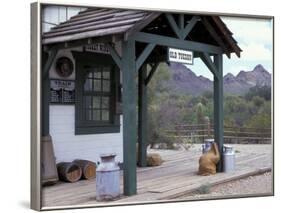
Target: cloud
[255, 51]
[255, 38]
[247, 30]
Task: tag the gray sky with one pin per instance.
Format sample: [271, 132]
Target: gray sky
[254, 36]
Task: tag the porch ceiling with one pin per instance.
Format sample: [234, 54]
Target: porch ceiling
[96, 22]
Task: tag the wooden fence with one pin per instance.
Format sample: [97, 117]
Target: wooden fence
[197, 133]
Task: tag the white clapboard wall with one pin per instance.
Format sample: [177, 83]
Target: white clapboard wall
[67, 145]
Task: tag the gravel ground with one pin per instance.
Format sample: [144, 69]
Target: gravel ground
[259, 184]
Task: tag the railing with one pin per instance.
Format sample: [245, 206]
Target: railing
[197, 133]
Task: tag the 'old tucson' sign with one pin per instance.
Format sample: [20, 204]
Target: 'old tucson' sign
[180, 56]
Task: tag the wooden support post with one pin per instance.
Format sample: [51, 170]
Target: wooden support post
[129, 116]
[218, 107]
[142, 117]
[47, 60]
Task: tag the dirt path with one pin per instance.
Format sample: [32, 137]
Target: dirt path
[259, 184]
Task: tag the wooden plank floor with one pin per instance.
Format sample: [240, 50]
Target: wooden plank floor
[175, 177]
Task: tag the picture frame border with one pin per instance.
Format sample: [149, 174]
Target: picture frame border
[35, 155]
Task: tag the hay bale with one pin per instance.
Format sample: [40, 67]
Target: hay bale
[154, 159]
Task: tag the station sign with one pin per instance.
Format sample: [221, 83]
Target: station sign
[97, 48]
[180, 56]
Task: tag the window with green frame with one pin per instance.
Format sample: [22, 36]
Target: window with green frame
[96, 85]
[97, 95]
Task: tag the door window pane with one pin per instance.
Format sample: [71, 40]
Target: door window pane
[96, 102]
[97, 85]
[106, 86]
[90, 75]
[105, 115]
[105, 102]
[88, 114]
[88, 85]
[87, 102]
[106, 74]
[97, 74]
[96, 115]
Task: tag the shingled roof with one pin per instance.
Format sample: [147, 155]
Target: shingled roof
[96, 22]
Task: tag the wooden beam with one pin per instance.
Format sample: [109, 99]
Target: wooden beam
[214, 34]
[177, 43]
[189, 26]
[142, 117]
[47, 60]
[81, 42]
[173, 24]
[228, 36]
[143, 56]
[139, 26]
[152, 71]
[129, 117]
[218, 108]
[181, 22]
[205, 57]
[115, 56]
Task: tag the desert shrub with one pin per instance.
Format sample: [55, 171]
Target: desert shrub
[204, 189]
[261, 91]
[261, 120]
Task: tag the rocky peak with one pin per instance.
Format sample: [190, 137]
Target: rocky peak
[184, 80]
[229, 77]
[258, 76]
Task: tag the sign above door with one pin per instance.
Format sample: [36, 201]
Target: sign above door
[97, 48]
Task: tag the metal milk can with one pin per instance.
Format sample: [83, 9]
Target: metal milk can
[228, 159]
[207, 145]
[107, 178]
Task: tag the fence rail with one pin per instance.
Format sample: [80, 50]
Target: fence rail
[232, 134]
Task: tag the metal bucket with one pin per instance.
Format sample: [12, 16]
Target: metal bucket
[228, 159]
[207, 145]
[107, 178]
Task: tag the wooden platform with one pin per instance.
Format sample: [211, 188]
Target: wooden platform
[175, 177]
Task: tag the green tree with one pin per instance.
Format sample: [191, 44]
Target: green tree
[258, 101]
[259, 121]
[200, 113]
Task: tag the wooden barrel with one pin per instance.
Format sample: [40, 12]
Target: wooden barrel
[88, 168]
[69, 172]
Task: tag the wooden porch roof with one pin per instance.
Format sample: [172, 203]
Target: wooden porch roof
[97, 22]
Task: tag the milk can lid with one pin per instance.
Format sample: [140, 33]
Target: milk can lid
[107, 155]
[210, 140]
[228, 148]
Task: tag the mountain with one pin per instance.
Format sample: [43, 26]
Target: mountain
[246, 79]
[184, 80]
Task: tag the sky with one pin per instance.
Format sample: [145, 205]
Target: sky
[254, 37]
